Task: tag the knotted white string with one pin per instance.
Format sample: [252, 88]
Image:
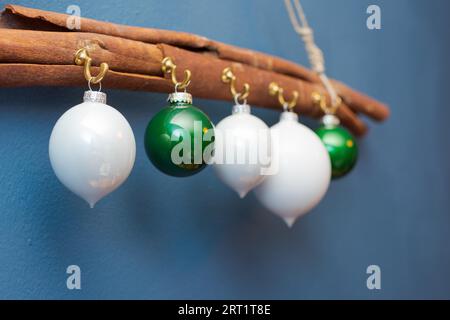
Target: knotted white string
[315, 55]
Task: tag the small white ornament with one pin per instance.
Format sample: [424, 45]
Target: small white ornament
[242, 150]
[302, 170]
[92, 148]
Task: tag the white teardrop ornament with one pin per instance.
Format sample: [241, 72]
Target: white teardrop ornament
[301, 170]
[242, 150]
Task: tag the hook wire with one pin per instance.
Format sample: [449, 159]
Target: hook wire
[82, 58]
[229, 77]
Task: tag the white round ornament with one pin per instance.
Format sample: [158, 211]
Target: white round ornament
[92, 148]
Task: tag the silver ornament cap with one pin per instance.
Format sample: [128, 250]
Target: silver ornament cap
[330, 120]
[241, 108]
[288, 115]
[94, 96]
[180, 97]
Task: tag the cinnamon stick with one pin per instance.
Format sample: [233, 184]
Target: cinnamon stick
[35, 42]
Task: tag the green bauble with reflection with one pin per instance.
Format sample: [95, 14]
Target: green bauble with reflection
[179, 138]
[341, 146]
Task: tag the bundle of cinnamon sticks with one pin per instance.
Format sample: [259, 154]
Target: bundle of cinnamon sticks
[37, 48]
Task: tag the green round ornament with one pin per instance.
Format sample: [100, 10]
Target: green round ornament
[341, 146]
[177, 136]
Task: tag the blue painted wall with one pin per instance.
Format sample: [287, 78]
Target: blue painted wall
[161, 237]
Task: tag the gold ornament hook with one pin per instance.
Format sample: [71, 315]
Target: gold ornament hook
[82, 58]
[276, 90]
[321, 101]
[169, 67]
[229, 77]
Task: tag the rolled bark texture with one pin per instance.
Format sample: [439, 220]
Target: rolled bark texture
[37, 48]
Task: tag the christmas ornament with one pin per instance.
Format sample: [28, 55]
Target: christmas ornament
[178, 140]
[92, 147]
[242, 144]
[340, 143]
[302, 169]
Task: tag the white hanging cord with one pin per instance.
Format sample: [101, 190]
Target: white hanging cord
[315, 55]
